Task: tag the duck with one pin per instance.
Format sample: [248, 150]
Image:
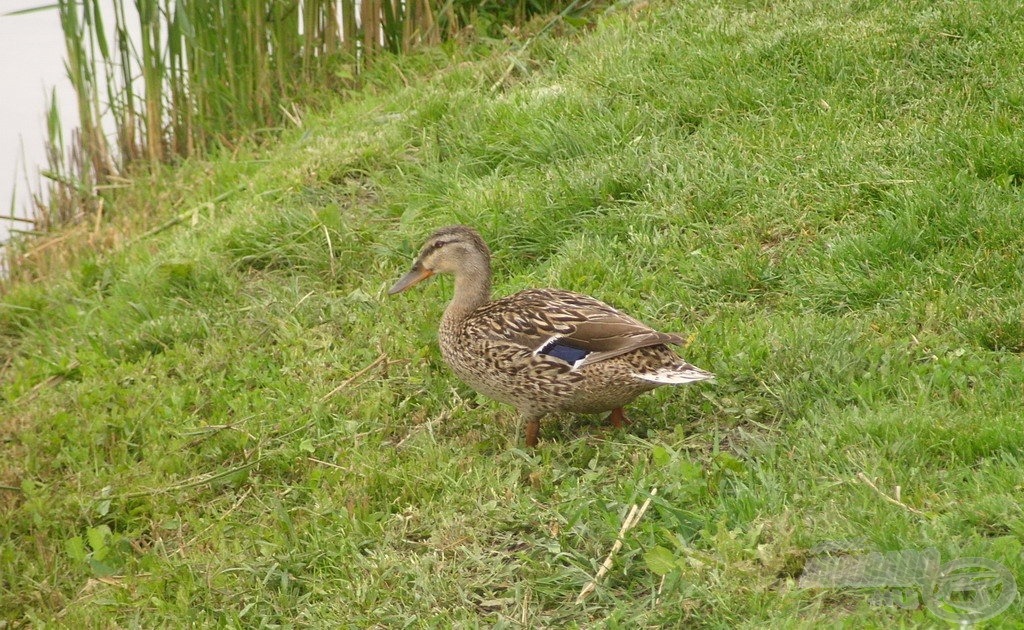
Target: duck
[542, 351]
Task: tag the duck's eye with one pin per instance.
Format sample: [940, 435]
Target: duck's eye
[438, 245]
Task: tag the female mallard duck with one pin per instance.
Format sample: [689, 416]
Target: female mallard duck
[542, 350]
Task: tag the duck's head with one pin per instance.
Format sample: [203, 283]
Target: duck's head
[456, 249]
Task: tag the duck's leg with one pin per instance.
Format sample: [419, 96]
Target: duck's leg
[618, 418]
[532, 430]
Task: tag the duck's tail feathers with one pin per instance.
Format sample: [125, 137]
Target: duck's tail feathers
[678, 375]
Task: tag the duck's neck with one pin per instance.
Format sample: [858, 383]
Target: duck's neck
[472, 290]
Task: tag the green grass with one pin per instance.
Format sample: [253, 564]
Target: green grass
[827, 197]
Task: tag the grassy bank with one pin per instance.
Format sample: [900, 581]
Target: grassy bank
[228, 421]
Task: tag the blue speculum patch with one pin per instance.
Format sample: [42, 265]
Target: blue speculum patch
[564, 352]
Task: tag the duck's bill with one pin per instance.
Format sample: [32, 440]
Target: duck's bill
[409, 279]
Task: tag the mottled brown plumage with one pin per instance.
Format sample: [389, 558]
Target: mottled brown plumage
[542, 350]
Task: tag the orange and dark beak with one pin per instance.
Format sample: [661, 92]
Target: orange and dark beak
[417, 274]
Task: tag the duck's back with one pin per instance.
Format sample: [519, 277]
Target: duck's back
[550, 349]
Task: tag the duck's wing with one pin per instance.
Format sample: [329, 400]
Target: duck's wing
[572, 327]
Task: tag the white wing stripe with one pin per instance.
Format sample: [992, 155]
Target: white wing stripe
[552, 340]
[675, 376]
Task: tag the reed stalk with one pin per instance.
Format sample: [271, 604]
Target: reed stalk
[181, 77]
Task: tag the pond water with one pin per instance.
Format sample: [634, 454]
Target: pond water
[31, 65]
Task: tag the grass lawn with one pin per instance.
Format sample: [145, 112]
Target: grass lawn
[229, 423]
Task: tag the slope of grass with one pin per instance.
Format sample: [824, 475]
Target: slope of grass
[230, 423]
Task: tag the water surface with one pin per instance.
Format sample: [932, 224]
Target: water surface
[31, 65]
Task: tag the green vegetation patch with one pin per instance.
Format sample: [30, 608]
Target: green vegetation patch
[229, 421]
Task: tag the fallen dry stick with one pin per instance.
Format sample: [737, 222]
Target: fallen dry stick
[383, 357]
[871, 485]
[634, 516]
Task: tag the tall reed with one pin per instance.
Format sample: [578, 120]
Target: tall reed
[157, 80]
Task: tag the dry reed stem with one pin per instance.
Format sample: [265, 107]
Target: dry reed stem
[11, 217]
[200, 480]
[383, 357]
[326, 463]
[190, 213]
[220, 519]
[871, 485]
[632, 519]
[193, 482]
